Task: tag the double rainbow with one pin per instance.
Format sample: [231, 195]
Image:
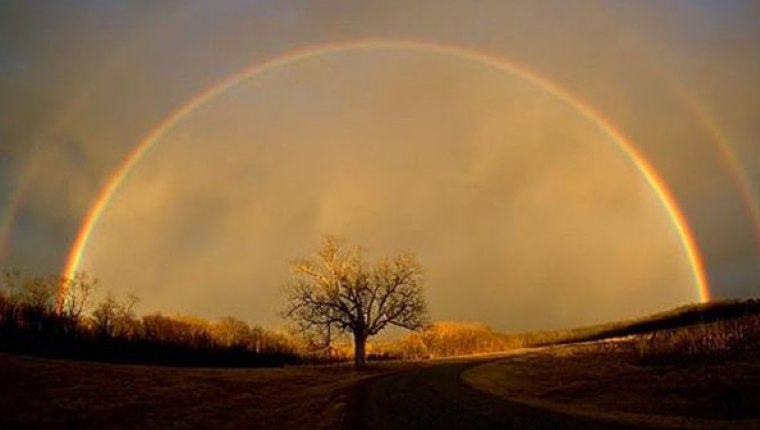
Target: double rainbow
[654, 180]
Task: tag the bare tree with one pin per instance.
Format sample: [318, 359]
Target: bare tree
[112, 318]
[38, 292]
[74, 294]
[11, 287]
[336, 292]
[230, 331]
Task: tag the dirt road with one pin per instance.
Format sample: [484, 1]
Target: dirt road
[435, 398]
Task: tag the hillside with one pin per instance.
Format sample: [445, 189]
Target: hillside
[681, 316]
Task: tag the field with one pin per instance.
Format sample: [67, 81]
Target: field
[42, 393]
[704, 376]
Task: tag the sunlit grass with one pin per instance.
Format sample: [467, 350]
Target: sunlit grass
[705, 342]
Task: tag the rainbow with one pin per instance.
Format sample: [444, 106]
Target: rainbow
[654, 180]
[720, 143]
[16, 198]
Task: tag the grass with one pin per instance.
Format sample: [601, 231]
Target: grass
[682, 316]
[701, 375]
[585, 380]
[444, 339]
[40, 393]
[716, 341]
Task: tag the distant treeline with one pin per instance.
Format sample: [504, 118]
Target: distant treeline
[446, 339]
[36, 320]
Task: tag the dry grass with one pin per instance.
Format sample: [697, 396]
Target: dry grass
[708, 342]
[604, 381]
[705, 374]
[40, 393]
[682, 316]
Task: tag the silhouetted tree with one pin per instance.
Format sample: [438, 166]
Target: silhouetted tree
[74, 294]
[47, 316]
[32, 302]
[39, 291]
[113, 318]
[335, 292]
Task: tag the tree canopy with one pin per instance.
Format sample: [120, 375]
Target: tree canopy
[336, 291]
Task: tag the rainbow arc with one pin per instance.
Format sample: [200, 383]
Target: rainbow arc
[151, 139]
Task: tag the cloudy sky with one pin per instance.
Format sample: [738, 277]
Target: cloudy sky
[501, 174]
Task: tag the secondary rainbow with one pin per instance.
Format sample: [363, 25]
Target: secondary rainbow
[720, 144]
[654, 180]
[747, 192]
[718, 140]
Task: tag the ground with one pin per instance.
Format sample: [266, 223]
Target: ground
[583, 381]
[564, 387]
[38, 393]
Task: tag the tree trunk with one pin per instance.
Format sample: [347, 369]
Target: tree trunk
[360, 351]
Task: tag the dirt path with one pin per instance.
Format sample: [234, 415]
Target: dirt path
[434, 397]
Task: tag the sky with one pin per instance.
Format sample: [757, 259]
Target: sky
[477, 135]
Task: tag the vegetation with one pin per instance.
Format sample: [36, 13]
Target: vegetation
[35, 319]
[445, 339]
[55, 317]
[727, 326]
[701, 343]
[39, 393]
[696, 367]
[336, 292]
[682, 316]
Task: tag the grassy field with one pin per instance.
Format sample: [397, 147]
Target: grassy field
[609, 380]
[42, 393]
[694, 367]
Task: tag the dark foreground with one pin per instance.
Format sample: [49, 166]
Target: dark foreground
[435, 398]
[59, 394]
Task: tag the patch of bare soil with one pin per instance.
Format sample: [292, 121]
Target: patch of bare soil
[40, 393]
[608, 384]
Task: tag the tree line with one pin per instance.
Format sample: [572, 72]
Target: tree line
[54, 316]
[336, 302]
[35, 320]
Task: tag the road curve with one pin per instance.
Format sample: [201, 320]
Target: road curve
[434, 397]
